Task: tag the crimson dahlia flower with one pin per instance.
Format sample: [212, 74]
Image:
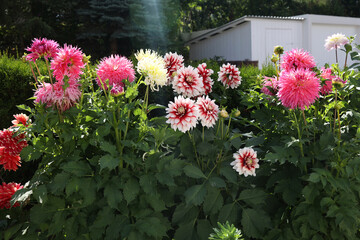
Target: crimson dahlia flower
[182, 114]
[7, 190]
[245, 162]
[42, 47]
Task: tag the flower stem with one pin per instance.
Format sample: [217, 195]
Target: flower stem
[336, 55]
[299, 134]
[228, 127]
[48, 68]
[194, 146]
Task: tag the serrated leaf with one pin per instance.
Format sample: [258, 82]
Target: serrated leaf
[152, 227]
[59, 182]
[11, 231]
[185, 232]
[186, 147]
[184, 213]
[193, 172]
[131, 190]
[253, 196]
[254, 222]
[228, 213]
[77, 168]
[195, 195]
[21, 195]
[229, 173]
[217, 182]
[148, 183]
[41, 194]
[109, 148]
[155, 202]
[213, 201]
[113, 195]
[109, 162]
[204, 229]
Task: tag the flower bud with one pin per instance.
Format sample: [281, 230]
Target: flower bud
[237, 113]
[278, 50]
[86, 59]
[274, 58]
[224, 113]
[338, 83]
[117, 90]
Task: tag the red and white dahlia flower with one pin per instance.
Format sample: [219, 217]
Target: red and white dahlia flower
[208, 111]
[205, 74]
[182, 114]
[245, 162]
[188, 83]
[229, 75]
[173, 62]
[20, 118]
[7, 190]
[116, 69]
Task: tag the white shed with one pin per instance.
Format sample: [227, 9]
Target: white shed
[252, 38]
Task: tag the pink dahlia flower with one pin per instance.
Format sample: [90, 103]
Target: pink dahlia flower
[297, 59]
[205, 74]
[116, 69]
[326, 74]
[42, 47]
[7, 190]
[208, 111]
[116, 90]
[68, 62]
[20, 118]
[298, 88]
[245, 161]
[173, 62]
[11, 147]
[44, 94]
[270, 86]
[188, 82]
[335, 41]
[182, 114]
[229, 75]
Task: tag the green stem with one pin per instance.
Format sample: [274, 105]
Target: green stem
[194, 146]
[299, 134]
[48, 68]
[203, 134]
[228, 128]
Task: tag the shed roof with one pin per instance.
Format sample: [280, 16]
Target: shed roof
[207, 34]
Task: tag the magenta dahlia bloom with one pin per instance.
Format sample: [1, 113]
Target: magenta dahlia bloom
[270, 86]
[205, 74]
[116, 69]
[42, 47]
[68, 62]
[208, 111]
[173, 62]
[298, 89]
[245, 162]
[182, 114]
[116, 90]
[297, 59]
[229, 75]
[7, 190]
[63, 100]
[11, 147]
[43, 94]
[188, 82]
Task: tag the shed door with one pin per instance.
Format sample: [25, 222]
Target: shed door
[276, 36]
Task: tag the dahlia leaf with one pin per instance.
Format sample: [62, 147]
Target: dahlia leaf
[253, 196]
[228, 213]
[185, 232]
[193, 172]
[155, 202]
[77, 168]
[148, 183]
[108, 147]
[213, 201]
[41, 194]
[195, 195]
[131, 190]
[217, 182]
[204, 229]
[229, 173]
[152, 226]
[184, 213]
[254, 222]
[20, 196]
[109, 162]
[11, 231]
[113, 195]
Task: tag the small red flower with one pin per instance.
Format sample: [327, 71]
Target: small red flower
[11, 147]
[7, 190]
[20, 118]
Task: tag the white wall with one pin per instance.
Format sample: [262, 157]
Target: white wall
[267, 33]
[233, 44]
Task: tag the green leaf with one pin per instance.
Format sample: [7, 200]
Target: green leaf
[254, 222]
[186, 147]
[217, 182]
[11, 231]
[193, 172]
[148, 183]
[152, 227]
[21, 195]
[185, 232]
[113, 195]
[41, 194]
[131, 190]
[184, 213]
[253, 196]
[109, 162]
[228, 213]
[204, 229]
[155, 202]
[59, 182]
[255, 141]
[77, 168]
[229, 173]
[213, 201]
[109, 148]
[195, 195]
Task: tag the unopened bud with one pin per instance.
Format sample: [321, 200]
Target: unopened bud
[117, 90]
[338, 83]
[237, 113]
[86, 59]
[274, 58]
[224, 113]
[278, 50]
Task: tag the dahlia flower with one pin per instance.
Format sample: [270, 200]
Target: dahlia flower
[182, 114]
[208, 111]
[20, 118]
[68, 62]
[42, 47]
[245, 161]
[188, 82]
[115, 69]
[43, 94]
[270, 86]
[229, 75]
[173, 62]
[7, 190]
[326, 74]
[205, 74]
[298, 88]
[335, 41]
[116, 90]
[152, 67]
[297, 59]
[11, 147]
